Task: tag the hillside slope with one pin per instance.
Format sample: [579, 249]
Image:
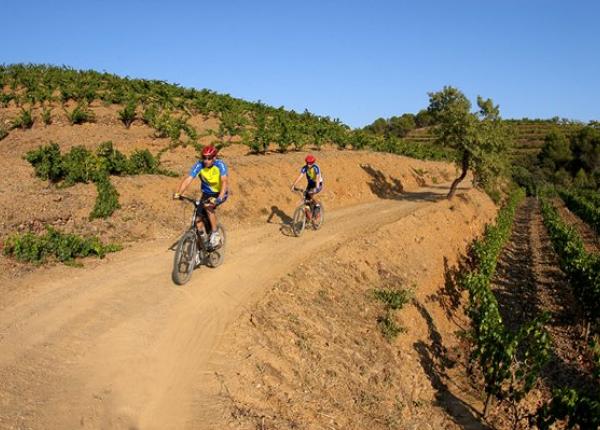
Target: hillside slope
[116, 345]
[259, 183]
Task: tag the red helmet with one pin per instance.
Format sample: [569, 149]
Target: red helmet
[210, 151]
[310, 159]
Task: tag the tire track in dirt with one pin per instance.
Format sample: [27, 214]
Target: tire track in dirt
[120, 346]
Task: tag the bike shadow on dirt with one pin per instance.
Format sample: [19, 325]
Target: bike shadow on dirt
[173, 246]
[285, 221]
[393, 189]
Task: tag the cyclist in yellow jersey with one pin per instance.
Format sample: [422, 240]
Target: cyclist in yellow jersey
[314, 179]
[214, 188]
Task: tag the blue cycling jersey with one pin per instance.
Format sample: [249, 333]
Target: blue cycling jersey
[210, 177]
[312, 174]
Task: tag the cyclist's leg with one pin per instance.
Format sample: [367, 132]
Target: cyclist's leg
[316, 208]
[199, 221]
[316, 191]
[212, 210]
[212, 217]
[211, 207]
[308, 197]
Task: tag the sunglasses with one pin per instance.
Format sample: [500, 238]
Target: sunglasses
[208, 158]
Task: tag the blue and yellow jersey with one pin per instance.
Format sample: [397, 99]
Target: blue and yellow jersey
[210, 177]
[312, 173]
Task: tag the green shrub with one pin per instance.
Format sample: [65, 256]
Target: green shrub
[112, 161]
[166, 125]
[47, 115]
[162, 125]
[578, 409]
[37, 249]
[81, 114]
[78, 166]
[510, 361]
[47, 162]
[150, 114]
[24, 120]
[191, 132]
[127, 114]
[142, 161]
[3, 132]
[81, 165]
[107, 200]
[5, 99]
[582, 268]
[393, 299]
[389, 328]
[583, 207]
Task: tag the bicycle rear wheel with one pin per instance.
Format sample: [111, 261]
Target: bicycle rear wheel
[299, 221]
[185, 258]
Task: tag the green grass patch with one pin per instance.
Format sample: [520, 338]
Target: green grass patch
[107, 200]
[389, 328]
[38, 249]
[81, 114]
[47, 115]
[80, 165]
[127, 114]
[24, 120]
[393, 300]
[47, 162]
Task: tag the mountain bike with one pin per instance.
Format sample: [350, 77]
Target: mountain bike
[307, 210]
[194, 249]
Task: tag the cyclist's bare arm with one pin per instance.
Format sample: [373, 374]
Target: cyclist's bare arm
[183, 185]
[297, 180]
[224, 186]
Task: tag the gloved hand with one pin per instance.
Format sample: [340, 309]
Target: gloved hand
[176, 196]
[210, 202]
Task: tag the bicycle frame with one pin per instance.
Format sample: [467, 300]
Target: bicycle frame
[203, 215]
[308, 202]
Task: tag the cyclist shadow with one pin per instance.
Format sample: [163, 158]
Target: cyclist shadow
[173, 246]
[285, 221]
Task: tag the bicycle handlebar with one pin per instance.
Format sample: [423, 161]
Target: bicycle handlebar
[189, 199]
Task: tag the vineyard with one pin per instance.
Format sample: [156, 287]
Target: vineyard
[528, 135]
[513, 351]
[427, 300]
[41, 93]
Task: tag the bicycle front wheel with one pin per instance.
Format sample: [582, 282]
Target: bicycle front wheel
[185, 258]
[299, 221]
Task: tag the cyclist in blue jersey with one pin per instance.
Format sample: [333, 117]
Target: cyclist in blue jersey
[314, 179]
[213, 187]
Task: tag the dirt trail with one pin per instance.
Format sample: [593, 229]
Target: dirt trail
[119, 346]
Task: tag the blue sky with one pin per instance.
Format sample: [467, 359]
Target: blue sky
[353, 60]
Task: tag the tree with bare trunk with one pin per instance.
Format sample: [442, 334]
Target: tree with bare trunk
[480, 139]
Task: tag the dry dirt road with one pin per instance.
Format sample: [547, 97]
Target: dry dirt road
[118, 345]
